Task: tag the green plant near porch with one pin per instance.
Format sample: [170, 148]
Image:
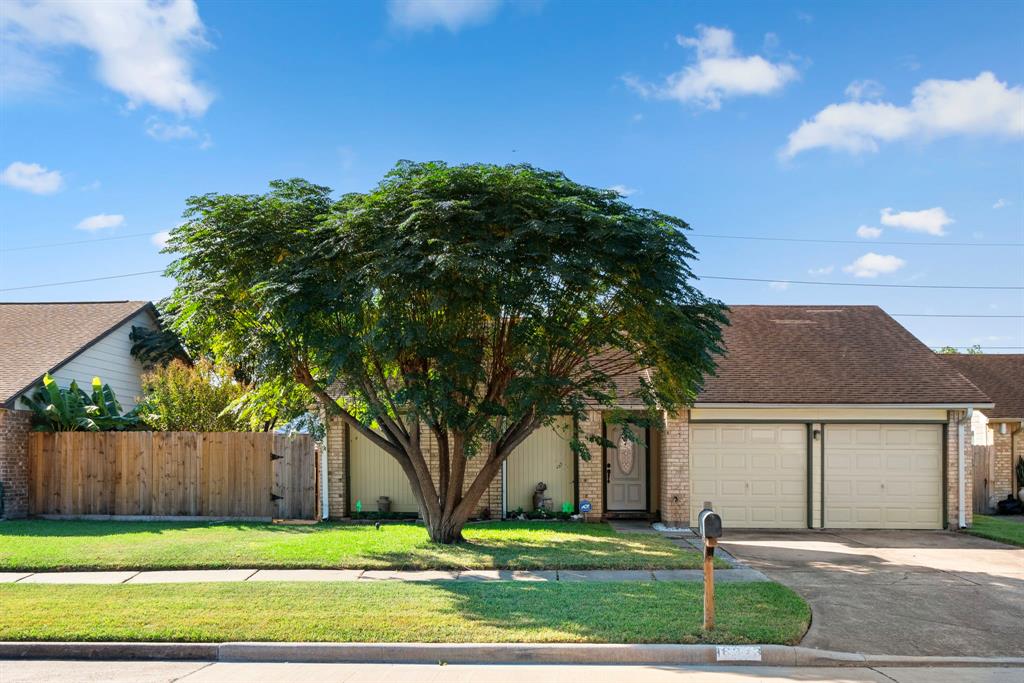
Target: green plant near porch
[71, 409]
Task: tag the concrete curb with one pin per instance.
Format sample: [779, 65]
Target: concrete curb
[491, 653]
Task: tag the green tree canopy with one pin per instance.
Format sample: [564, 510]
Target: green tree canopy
[479, 301]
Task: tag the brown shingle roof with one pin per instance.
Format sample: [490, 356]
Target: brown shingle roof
[36, 338]
[829, 355]
[1001, 376]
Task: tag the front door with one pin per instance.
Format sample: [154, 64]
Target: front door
[626, 472]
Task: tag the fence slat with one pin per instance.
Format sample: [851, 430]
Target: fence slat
[225, 474]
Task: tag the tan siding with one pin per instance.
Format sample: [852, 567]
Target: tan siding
[374, 473]
[111, 360]
[545, 456]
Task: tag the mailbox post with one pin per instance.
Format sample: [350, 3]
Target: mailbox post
[709, 523]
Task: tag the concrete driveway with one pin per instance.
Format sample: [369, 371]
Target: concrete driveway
[897, 592]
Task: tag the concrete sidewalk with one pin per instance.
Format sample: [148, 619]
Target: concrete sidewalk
[364, 575]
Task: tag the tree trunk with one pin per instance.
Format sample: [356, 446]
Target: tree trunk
[446, 531]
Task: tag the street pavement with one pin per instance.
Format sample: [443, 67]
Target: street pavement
[35, 671]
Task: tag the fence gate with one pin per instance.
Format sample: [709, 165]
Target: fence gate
[984, 461]
[208, 474]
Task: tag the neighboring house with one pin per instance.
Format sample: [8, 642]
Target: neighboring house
[1001, 426]
[71, 341]
[818, 417]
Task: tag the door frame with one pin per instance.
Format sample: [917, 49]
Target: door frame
[604, 472]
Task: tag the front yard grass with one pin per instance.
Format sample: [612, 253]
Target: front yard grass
[998, 529]
[449, 611]
[47, 545]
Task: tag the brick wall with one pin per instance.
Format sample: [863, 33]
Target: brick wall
[337, 468]
[675, 470]
[14, 428]
[956, 418]
[1002, 462]
[591, 472]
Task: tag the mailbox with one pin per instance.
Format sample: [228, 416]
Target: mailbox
[710, 524]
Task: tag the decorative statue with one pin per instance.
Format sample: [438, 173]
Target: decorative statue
[540, 501]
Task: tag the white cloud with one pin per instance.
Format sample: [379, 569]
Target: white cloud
[160, 238]
[143, 49]
[869, 233]
[158, 130]
[979, 106]
[824, 270]
[453, 15]
[720, 72]
[101, 221]
[932, 221]
[1000, 203]
[32, 178]
[873, 265]
[623, 190]
[89, 187]
[866, 89]
[779, 286]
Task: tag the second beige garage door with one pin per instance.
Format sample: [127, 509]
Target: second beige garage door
[755, 475]
[880, 476]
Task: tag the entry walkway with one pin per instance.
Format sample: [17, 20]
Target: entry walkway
[361, 575]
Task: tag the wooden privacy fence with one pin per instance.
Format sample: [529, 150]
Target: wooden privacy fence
[219, 474]
[984, 460]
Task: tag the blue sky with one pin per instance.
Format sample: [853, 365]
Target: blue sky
[789, 120]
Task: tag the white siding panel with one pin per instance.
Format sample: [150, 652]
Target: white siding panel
[374, 473]
[545, 456]
[111, 360]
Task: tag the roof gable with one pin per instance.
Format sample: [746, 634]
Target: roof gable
[1001, 376]
[40, 337]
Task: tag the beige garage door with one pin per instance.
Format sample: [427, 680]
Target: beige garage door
[755, 475]
[883, 476]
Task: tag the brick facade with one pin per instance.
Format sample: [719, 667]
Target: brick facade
[957, 418]
[337, 468]
[591, 472]
[14, 428]
[1002, 462]
[675, 470]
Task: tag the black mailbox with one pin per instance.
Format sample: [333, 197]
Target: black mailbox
[710, 524]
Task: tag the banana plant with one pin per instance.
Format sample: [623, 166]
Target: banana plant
[57, 409]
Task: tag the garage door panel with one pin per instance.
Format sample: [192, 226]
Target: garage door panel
[755, 475]
[883, 476]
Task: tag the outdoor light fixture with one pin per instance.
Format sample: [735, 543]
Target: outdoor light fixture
[817, 434]
[1002, 428]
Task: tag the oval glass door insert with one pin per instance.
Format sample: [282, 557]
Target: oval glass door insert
[626, 455]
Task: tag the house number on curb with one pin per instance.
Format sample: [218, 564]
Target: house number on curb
[738, 653]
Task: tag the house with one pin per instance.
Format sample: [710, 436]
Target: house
[818, 417]
[71, 341]
[1000, 426]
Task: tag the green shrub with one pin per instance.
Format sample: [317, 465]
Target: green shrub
[180, 397]
[57, 409]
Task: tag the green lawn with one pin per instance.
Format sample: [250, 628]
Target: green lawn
[998, 529]
[449, 611]
[41, 545]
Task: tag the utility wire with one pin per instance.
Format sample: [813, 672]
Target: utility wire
[860, 242]
[859, 284]
[949, 315]
[83, 241]
[990, 348]
[76, 282]
[758, 238]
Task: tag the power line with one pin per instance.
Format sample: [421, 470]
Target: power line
[50, 245]
[76, 282]
[989, 348]
[950, 315]
[760, 238]
[859, 284]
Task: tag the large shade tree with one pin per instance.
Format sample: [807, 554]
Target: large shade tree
[464, 306]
